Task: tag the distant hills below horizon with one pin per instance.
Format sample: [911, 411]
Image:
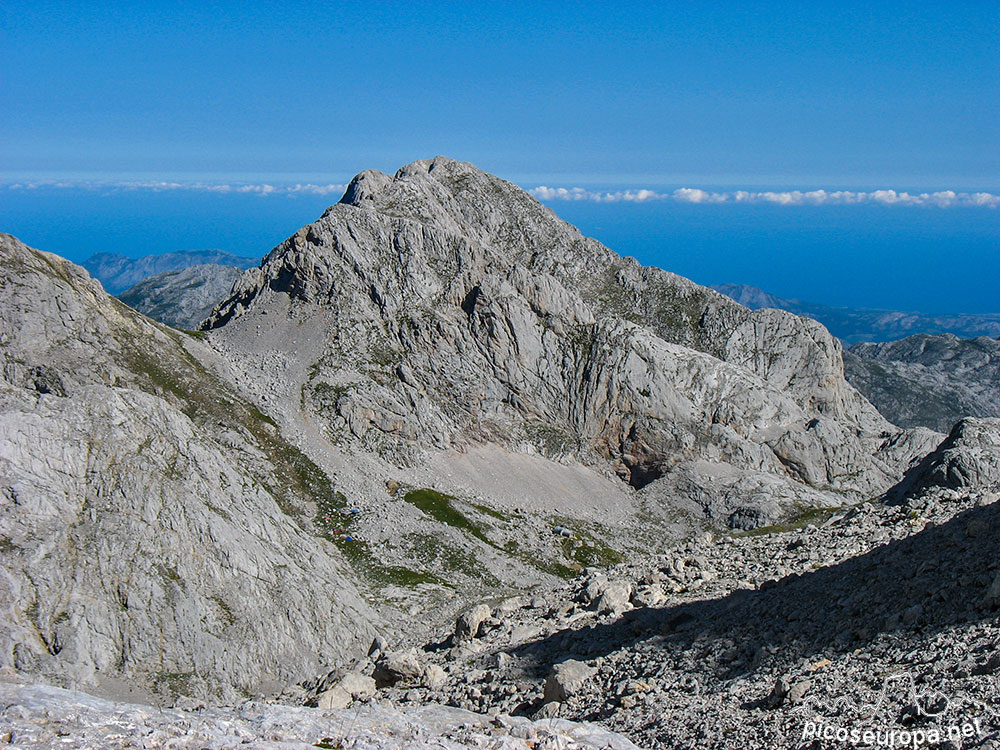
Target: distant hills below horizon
[854, 325]
[118, 272]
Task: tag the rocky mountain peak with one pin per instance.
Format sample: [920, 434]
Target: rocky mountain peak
[448, 309]
[458, 198]
[366, 187]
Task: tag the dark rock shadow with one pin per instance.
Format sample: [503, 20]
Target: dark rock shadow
[925, 583]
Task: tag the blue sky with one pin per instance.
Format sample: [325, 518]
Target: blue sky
[819, 94]
[176, 125]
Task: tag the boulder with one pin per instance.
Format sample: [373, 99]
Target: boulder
[615, 598]
[469, 622]
[433, 677]
[334, 698]
[566, 679]
[398, 666]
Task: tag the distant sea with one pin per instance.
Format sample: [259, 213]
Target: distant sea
[924, 259]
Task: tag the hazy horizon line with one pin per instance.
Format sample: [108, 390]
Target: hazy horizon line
[945, 198]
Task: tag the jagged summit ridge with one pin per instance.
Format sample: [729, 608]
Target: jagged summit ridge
[458, 311]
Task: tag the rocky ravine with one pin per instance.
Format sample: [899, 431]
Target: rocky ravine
[882, 619]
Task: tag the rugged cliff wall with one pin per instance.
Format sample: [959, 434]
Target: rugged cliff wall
[154, 528]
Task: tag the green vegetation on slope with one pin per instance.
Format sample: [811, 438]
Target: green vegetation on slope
[439, 506]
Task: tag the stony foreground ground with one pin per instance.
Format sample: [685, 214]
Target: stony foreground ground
[36, 716]
[873, 627]
[881, 619]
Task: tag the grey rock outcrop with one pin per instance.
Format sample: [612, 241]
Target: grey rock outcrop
[469, 622]
[152, 533]
[457, 311]
[118, 272]
[566, 679]
[351, 686]
[967, 461]
[433, 323]
[929, 381]
[182, 298]
[41, 717]
[399, 666]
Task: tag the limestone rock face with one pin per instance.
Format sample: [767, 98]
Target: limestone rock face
[967, 461]
[185, 297]
[930, 381]
[41, 717]
[455, 310]
[148, 530]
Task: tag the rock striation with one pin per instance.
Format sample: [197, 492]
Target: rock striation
[455, 311]
[968, 460]
[155, 529]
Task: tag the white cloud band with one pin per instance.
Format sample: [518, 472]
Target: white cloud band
[942, 198]
[158, 186]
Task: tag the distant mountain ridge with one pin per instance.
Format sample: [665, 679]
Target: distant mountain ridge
[182, 298]
[856, 324]
[118, 272]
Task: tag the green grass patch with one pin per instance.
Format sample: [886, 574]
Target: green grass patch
[452, 559]
[439, 506]
[361, 558]
[797, 520]
[486, 510]
[227, 613]
[585, 548]
[6, 545]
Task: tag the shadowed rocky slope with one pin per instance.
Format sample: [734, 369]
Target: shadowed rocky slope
[882, 618]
